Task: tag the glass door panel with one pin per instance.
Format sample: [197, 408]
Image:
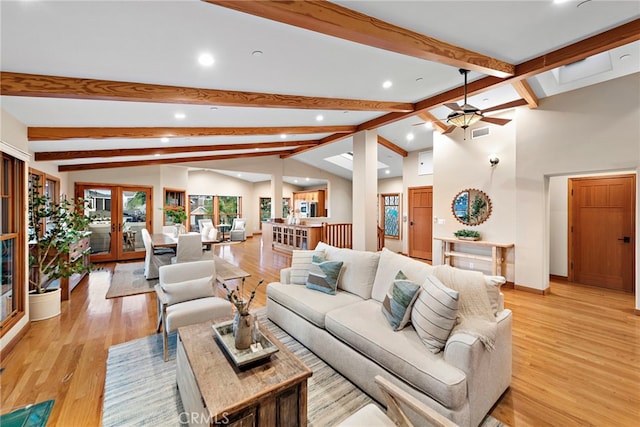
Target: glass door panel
[98, 206]
[133, 219]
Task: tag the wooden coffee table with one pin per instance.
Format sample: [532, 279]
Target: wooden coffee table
[215, 392]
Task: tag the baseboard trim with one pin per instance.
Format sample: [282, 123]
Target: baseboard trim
[636, 312]
[532, 290]
[508, 285]
[11, 344]
[558, 278]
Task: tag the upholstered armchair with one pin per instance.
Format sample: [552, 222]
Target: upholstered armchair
[237, 232]
[186, 295]
[152, 261]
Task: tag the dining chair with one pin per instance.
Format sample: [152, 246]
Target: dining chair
[238, 232]
[186, 295]
[189, 248]
[152, 261]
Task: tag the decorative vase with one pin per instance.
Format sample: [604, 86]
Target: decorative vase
[243, 330]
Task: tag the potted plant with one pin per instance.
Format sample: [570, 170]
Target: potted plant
[53, 229]
[177, 216]
[466, 234]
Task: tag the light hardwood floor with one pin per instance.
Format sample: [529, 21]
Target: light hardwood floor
[576, 352]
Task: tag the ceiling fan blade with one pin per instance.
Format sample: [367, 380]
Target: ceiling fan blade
[506, 105]
[453, 106]
[495, 120]
[449, 130]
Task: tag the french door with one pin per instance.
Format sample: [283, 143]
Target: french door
[118, 214]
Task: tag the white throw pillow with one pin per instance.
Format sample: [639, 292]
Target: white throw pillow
[301, 264]
[434, 313]
[188, 290]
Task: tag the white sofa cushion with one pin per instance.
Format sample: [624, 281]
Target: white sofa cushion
[188, 290]
[434, 313]
[363, 326]
[301, 264]
[196, 311]
[307, 303]
[388, 266]
[359, 269]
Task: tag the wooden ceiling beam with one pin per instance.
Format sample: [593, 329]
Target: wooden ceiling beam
[428, 117]
[20, 84]
[337, 21]
[86, 154]
[607, 40]
[61, 133]
[132, 163]
[391, 146]
[526, 92]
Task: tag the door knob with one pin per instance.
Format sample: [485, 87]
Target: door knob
[626, 239]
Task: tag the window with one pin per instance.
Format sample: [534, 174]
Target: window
[12, 238]
[391, 215]
[47, 185]
[265, 208]
[220, 209]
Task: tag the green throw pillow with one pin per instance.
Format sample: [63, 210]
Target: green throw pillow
[398, 301]
[324, 275]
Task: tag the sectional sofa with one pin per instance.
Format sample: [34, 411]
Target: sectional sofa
[349, 331]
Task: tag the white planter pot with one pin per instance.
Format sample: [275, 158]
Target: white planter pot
[44, 306]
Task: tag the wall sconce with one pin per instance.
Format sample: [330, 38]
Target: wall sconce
[493, 159]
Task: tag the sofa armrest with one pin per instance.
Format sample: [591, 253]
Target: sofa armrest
[285, 275]
[488, 372]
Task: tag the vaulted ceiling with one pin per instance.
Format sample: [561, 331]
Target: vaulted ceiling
[104, 84]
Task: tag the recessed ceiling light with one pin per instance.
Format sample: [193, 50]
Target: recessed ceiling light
[295, 180]
[387, 171]
[283, 136]
[625, 56]
[345, 112]
[419, 79]
[560, 1]
[583, 2]
[206, 59]
[387, 84]
[319, 117]
[239, 175]
[179, 116]
[157, 155]
[213, 108]
[485, 99]
[428, 125]
[256, 53]
[257, 149]
[410, 136]
[164, 139]
[306, 179]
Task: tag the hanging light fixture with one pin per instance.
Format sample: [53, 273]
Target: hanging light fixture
[464, 116]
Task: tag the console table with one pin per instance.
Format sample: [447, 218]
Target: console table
[454, 248]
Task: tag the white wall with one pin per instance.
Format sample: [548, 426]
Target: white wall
[263, 189]
[461, 164]
[593, 129]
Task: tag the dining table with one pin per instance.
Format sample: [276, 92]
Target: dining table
[224, 269]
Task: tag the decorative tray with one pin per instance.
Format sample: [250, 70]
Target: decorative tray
[262, 349]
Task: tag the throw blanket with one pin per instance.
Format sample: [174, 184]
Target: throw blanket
[475, 316]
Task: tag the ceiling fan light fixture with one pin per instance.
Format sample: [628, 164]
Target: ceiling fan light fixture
[464, 120]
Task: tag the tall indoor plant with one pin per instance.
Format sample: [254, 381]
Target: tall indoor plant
[53, 229]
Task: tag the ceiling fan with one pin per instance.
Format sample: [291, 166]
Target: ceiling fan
[466, 115]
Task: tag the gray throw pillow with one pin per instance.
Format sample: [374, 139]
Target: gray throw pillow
[399, 300]
[324, 275]
[434, 313]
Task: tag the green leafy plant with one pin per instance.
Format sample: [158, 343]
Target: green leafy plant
[467, 233]
[53, 228]
[176, 215]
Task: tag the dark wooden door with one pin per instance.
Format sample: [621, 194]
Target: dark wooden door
[421, 222]
[601, 231]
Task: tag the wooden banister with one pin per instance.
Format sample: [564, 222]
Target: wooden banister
[338, 235]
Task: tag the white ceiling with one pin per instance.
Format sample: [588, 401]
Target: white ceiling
[158, 42]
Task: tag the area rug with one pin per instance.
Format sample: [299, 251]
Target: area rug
[128, 279]
[140, 388]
